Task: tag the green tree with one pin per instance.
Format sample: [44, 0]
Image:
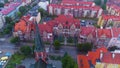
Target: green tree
[14, 40]
[43, 12]
[104, 6]
[6, 31]
[68, 62]
[9, 26]
[19, 14]
[85, 47]
[70, 40]
[8, 19]
[1, 5]
[6, 1]
[57, 44]
[97, 2]
[22, 10]
[105, 1]
[26, 50]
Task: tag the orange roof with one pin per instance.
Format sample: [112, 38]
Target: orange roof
[92, 56]
[82, 61]
[20, 26]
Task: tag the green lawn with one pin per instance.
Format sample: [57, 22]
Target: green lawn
[15, 59]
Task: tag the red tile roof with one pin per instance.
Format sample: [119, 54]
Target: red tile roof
[77, 2]
[10, 8]
[85, 31]
[45, 27]
[113, 17]
[108, 58]
[62, 19]
[104, 33]
[96, 8]
[116, 32]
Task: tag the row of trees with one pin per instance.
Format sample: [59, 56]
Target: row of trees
[8, 26]
[45, 13]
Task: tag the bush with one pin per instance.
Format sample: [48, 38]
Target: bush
[85, 47]
[70, 40]
[57, 44]
[6, 31]
[14, 40]
[26, 50]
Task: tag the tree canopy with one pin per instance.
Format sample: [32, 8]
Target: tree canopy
[8, 19]
[57, 44]
[1, 5]
[68, 62]
[6, 1]
[26, 50]
[85, 47]
[43, 12]
[14, 40]
[22, 9]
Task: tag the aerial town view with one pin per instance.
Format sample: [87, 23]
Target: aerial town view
[59, 33]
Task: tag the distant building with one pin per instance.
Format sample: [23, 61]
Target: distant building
[77, 9]
[2, 21]
[9, 10]
[62, 25]
[24, 29]
[113, 9]
[109, 21]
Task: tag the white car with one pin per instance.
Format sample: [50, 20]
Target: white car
[0, 52]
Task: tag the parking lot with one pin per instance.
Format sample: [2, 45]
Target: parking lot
[5, 47]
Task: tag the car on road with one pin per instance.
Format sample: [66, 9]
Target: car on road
[4, 58]
[2, 39]
[0, 52]
[2, 62]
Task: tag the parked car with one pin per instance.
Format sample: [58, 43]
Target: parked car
[4, 58]
[0, 52]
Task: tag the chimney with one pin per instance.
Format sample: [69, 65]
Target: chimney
[101, 54]
[113, 55]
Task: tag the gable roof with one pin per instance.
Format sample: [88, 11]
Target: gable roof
[85, 31]
[104, 33]
[108, 58]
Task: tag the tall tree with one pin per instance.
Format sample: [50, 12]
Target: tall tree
[1, 5]
[22, 9]
[6, 1]
[8, 19]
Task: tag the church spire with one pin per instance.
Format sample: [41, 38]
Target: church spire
[39, 47]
